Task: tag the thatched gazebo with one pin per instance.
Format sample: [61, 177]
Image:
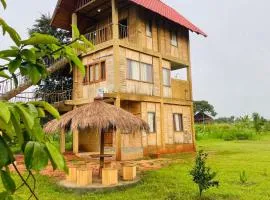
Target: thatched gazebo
[98, 116]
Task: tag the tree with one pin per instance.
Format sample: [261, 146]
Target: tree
[204, 107]
[20, 122]
[202, 175]
[62, 79]
[43, 25]
[258, 122]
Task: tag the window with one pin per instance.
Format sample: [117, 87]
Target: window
[152, 122]
[174, 38]
[95, 73]
[133, 70]
[166, 77]
[149, 28]
[103, 71]
[146, 72]
[178, 122]
[140, 71]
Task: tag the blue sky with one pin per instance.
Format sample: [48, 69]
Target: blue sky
[230, 68]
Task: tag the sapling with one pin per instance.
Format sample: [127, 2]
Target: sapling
[202, 174]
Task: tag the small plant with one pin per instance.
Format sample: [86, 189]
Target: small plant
[243, 177]
[202, 175]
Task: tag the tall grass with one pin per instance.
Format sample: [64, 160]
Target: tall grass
[227, 132]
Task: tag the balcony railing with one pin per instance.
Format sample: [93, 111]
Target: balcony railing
[123, 31]
[100, 35]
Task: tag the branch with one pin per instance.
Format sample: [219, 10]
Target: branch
[27, 185]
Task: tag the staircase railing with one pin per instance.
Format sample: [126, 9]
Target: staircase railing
[51, 98]
[8, 85]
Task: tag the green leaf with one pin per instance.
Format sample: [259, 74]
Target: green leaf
[87, 42]
[47, 107]
[8, 182]
[4, 4]
[14, 65]
[56, 157]
[6, 156]
[9, 53]
[35, 156]
[34, 74]
[37, 131]
[4, 75]
[41, 113]
[12, 33]
[26, 116]
[38, 38]
[4, 112]
[17, 127]
[29, 55]
[74, 58]
[75, 31]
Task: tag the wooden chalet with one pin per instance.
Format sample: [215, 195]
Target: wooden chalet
[138, 44]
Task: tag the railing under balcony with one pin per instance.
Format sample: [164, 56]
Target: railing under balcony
[105, 34]
[100, 35]
[123, 31]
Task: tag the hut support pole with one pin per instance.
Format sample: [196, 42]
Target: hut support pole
[76, 141]
[62, 141]
[102, 141]
[118, 137]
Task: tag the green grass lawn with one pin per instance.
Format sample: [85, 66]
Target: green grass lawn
[174, 182]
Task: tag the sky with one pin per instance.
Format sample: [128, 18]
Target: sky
[231, 67]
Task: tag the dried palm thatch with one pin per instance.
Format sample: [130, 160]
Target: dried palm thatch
[98, 116]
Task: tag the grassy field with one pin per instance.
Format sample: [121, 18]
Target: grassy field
[228, 158]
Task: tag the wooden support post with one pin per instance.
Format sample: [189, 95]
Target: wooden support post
[118, 138]
[189, 77]
[115, 20]
[102, 141]
[62, 141]
[75, 141]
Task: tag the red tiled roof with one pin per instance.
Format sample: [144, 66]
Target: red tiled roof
[166, 11]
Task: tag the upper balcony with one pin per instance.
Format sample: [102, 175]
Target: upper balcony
[105, 33]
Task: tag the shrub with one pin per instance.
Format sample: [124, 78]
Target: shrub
[202, 175]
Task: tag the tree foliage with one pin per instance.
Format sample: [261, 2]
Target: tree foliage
[204, 107]
[20, 122]
[202, 175]
[62, 79]
[258, 122]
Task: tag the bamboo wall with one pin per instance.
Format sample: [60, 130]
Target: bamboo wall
[172, 137]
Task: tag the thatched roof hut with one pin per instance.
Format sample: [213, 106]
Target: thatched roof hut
[98, 115]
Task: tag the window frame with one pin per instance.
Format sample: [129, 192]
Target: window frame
[149, 24]
[181, 123]
[140, 71]
[174, 42]
[170, 81]
[154, 122]
[87, 78]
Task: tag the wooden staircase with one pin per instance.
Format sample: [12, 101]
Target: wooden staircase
[9, 91]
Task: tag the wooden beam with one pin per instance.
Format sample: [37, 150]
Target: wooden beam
[76, 141]
[62, 141]
[118, 139]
